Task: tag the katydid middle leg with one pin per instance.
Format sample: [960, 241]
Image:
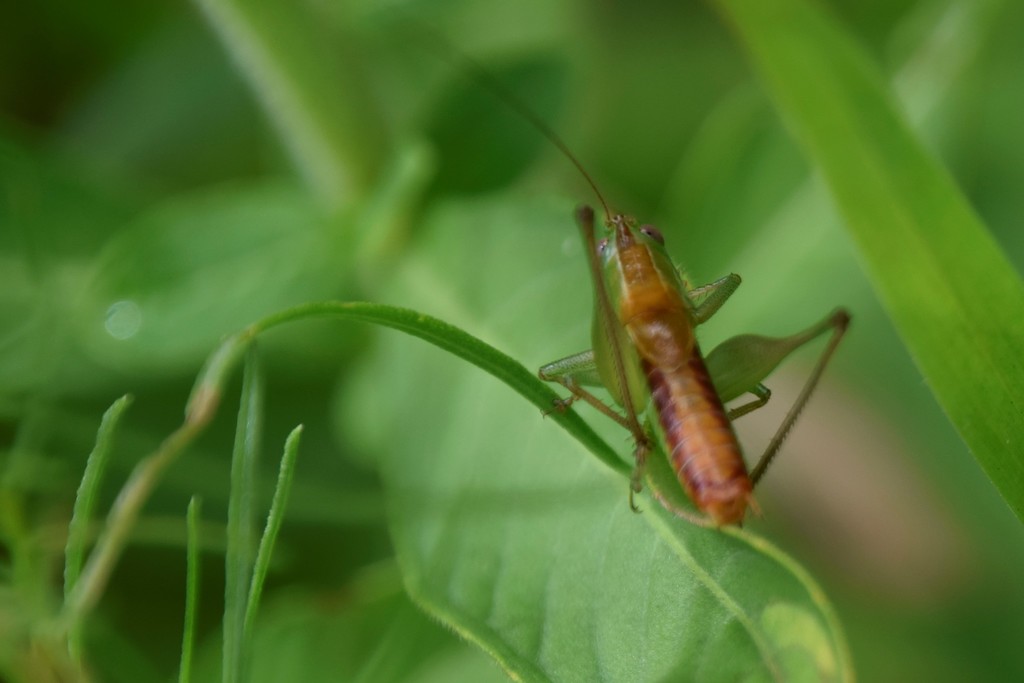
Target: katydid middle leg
[761, 395]
[577, 370]
[574, 372]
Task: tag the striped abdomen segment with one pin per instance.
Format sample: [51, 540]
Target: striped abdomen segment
[702, 445]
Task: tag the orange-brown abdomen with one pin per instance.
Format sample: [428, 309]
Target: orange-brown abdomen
[702, 446]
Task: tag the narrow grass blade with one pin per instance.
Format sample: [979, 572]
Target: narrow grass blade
[194, 546]
[240, 531]
[274, 519]
[85, 503]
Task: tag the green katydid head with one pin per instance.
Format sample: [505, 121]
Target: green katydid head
[625, 234]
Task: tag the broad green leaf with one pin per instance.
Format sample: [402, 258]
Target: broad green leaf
[512, 534]
[957, 302]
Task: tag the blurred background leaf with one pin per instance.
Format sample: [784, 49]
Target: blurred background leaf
[142, 160]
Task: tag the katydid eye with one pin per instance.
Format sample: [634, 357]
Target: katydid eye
[653, 233]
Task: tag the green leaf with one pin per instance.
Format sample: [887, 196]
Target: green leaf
[511, 534]
[956, 300]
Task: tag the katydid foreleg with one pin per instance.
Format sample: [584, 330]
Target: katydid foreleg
[707, 299]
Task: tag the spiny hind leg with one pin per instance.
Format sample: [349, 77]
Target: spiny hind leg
[837, 323]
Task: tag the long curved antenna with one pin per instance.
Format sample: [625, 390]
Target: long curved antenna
[446, 51]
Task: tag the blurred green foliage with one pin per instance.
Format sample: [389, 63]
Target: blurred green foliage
[171, 172]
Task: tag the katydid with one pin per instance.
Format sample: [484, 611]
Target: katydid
[646, 354]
